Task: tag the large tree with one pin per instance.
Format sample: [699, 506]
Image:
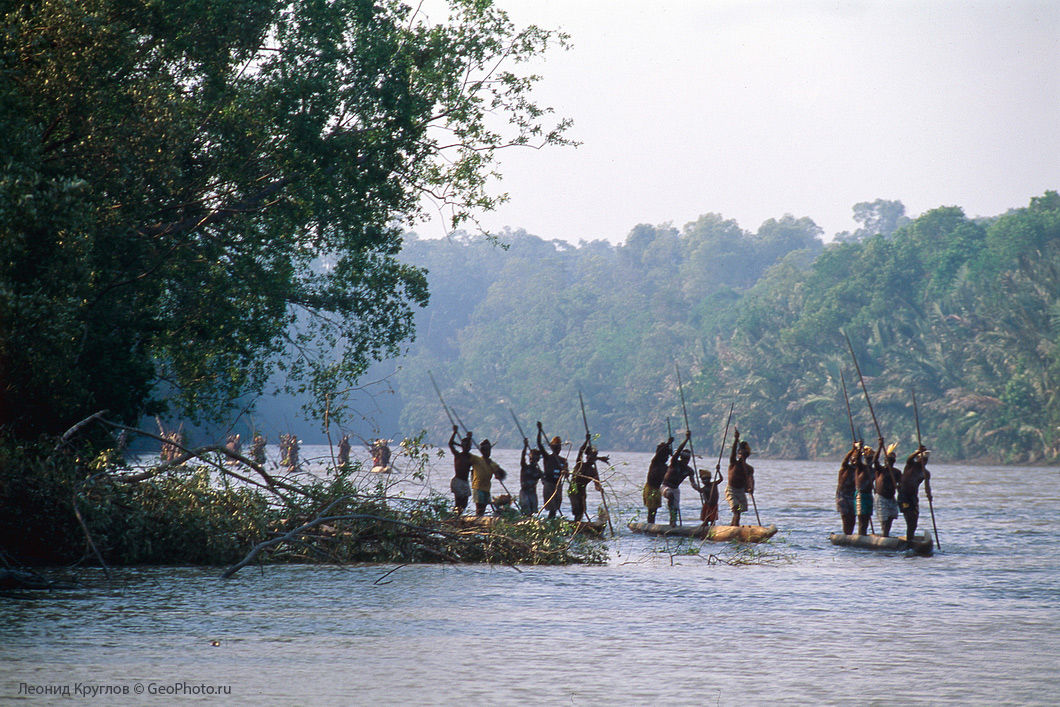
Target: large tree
[196, 193]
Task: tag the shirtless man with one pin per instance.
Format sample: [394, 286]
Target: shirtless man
[584, 472]
[460, 485]
[915, 471]
[887, 478]
[555, 469]
[677, 472]
[844, 492]
[741, 477]
[864, 475]
[529, 474]
[656, 471]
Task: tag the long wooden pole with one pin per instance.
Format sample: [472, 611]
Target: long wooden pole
[725, 438]
[846, 398]
[927, 484]
[863, 388]
[684, 409]
[603, 497]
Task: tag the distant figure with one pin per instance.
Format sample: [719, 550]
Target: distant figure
[234, 444]
[555, 469]
[652, 493]
[844, 492]
[677, 471]
[864, 476]
[257, 449]
[289, 451]
[483, 471]
[887, 478]
[529, 474]
[741, 477]
[913, 474]
[344, 451]
[460, 485]
[584, 472]
[380, 454]
[173, 446]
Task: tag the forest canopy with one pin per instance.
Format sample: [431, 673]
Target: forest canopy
[965, 313]
[194, 195]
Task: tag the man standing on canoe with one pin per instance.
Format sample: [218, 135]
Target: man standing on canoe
[555, 469]
[863, 480]
[529, 473]
[741, 477]
[483, 469]
[656, 472]
[677, 472]
[844, 492]
[887, 478]
[584, 472]
[461, 471]
[915, 471]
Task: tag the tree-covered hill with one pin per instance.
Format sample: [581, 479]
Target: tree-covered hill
[962, 312]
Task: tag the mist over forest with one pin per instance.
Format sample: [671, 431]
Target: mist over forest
[962, 312]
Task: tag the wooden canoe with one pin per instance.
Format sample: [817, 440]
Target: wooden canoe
[379, 469]
[718, 533]
[921, 545]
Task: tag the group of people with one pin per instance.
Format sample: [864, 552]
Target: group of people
[868, 480]
[669, 468]
[473, 474]
[866, 484]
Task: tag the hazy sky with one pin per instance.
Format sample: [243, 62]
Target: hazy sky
[757, 109]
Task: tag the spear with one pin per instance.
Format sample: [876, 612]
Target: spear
[927, 484]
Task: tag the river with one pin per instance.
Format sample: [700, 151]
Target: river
[804, 622]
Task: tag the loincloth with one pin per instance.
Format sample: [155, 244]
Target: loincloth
[737, 499]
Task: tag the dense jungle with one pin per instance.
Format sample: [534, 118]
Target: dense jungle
[962, 312]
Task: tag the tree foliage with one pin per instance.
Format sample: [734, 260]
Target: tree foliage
[963, 312]
[194, 194]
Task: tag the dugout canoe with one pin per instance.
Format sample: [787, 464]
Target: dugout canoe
[717, 533]
[921, 545]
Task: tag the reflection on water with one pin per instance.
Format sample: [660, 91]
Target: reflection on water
[975, 624]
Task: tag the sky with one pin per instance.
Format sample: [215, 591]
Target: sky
[756, 109]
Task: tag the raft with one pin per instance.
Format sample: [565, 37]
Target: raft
[718, 533]
[921, 545]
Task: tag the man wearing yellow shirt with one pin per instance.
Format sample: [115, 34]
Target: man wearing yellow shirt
[483, 469]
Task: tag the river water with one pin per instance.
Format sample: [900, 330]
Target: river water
[803, 622]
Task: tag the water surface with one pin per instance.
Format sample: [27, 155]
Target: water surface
[807, 623]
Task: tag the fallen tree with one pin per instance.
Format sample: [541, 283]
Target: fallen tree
[196, 509]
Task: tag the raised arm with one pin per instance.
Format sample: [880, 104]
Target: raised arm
[680, 447]
[452, 441]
